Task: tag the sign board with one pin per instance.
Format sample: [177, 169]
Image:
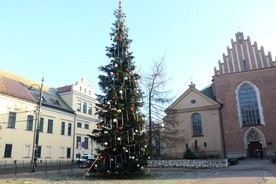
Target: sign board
[79, 145]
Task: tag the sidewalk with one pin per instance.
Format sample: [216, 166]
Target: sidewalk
[254, 164]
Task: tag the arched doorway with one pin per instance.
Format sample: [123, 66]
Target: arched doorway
[252, 146]
[254, 139]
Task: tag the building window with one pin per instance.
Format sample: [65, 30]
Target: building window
[12, 120]
[27, 151]
[79, 105]
[62, 128]
[90, 109]
[68, 153]
[30, 122]
[79, 124]
[205, 144]
[84, 107]
[41, 124]
[50, 126]
[197, 125]
[248, 106]
[69, 129]
[187, 145]
[8, 151]
[78, 155]
[86, 143]
[78, 142]
[86, 126]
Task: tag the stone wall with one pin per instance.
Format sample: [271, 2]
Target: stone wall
[199, 164]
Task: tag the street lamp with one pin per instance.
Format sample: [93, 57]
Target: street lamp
[36, 126]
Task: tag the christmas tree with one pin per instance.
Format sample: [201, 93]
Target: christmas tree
[122, 142]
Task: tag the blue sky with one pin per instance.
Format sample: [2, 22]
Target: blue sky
[65, 40]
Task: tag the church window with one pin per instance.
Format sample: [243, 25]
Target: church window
[248, 106]
[253, 135]
[197, 125]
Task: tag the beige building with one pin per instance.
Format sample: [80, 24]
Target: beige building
[81, 98]
[192, 121]
[66, 117]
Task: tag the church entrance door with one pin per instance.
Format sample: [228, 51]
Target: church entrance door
[252, 146]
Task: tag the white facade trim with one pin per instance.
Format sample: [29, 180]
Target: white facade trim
[261, 137]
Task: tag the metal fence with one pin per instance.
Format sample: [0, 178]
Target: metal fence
[23, 166]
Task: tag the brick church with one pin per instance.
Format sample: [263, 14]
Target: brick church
[235, 115]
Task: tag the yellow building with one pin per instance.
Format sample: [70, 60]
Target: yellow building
[66, 117]
[192, 121]
[81, 98]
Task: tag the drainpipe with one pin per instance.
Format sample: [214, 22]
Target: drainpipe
[74, 137]
[222, 132]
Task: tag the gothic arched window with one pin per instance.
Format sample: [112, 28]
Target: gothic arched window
[248, 106]
[197, 125]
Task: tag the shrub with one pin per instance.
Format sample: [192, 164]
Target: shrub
[273, 159]
[189, 154]
[213, 156]
[233, 161]
[202, 156]
[241, 158]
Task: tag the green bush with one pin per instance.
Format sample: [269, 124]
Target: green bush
[233, 161]
[213, 156]
[202, 156]
[189, 154]
[241, 158]
[273, 159]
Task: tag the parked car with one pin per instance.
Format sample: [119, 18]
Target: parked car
[85, 160]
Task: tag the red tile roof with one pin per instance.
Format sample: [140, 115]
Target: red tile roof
[17, 86]
[64, 89]
[14, 88]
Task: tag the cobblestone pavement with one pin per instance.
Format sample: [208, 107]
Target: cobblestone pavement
[249, 171]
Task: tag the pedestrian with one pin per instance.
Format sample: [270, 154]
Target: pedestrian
[261, 154]
[256, 153]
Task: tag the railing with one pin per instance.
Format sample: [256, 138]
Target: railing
[24, 166]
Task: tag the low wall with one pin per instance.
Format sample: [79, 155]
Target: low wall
[214, 163]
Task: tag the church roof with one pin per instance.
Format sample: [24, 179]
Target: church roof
[193, 99]
[208, 91]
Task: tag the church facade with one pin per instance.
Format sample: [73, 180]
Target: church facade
[244, 85]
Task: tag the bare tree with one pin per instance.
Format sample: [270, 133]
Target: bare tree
[174, 137]
[155, 96]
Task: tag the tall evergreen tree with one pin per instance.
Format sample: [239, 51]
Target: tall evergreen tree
[122, 143]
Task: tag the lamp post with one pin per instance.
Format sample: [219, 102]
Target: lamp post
[36, 126]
